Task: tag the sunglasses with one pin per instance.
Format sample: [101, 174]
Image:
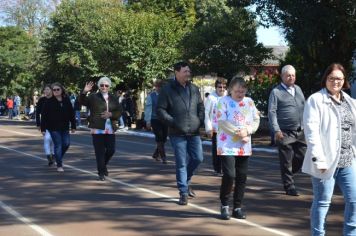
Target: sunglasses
[56, 89]
[104, 85]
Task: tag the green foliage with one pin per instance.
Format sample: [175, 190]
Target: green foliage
[18, 52]
[181, 10]
[225, 43]
[92, 38]
[259, 89]
[320, 33]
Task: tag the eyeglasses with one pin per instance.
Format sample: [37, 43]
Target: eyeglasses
[222, 87]
[335, 79]
[56, 89]
[104, 85]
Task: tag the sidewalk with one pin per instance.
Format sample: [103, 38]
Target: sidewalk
[260, 142]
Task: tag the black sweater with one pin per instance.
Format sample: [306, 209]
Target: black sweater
[56, 116]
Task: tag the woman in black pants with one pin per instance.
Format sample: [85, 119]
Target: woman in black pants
[105, 111]
[237, 119]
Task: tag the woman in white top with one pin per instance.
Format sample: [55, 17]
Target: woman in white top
[237, 119]
[329, 124]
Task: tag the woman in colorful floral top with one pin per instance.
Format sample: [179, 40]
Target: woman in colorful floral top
[237, 118]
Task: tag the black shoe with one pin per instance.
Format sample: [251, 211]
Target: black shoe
[101, 178]
[191, 193]
[238, 214]
[164, 160]
[50, 160]
[183, 200]
[292, 192]
[224, 212]
[106, 172]
[155, 154]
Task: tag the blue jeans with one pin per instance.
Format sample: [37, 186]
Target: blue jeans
[11, 113]
[323, 191]
[77, 118]
[61, 141]
[188, 153]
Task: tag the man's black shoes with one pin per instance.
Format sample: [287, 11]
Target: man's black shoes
[183, 200]
[191, 193]
[292, 192]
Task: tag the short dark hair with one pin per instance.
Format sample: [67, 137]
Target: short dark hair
[329, 70]
[220, 80]
[46, 86]
[179, 65]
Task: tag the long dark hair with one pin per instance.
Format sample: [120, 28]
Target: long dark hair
[64, 93]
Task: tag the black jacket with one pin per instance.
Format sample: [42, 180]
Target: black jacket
[182, 112]
[96, 104]
[39, 108]
[56, 116]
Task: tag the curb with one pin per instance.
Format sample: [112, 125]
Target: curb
[151, 135]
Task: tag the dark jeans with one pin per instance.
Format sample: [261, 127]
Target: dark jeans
[11, 113]
[216, 160]
[234, 168]
[61, 142]
[188, 152]
[291, 151]
[127, 119]
[160, 130]
[104, 146]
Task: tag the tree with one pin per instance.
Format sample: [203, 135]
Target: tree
[96, 37]
[18, 53]
[31, 15]
[319, 33]
[224, 42]
[181, 10]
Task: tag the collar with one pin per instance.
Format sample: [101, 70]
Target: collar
[178, 84]
[342, 97]
[286, 87]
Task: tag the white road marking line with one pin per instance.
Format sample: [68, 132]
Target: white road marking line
[170, 198]
[119, 151]
[25, 220]
[146, 144]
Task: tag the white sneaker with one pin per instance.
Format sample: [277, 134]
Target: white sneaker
[60, 169]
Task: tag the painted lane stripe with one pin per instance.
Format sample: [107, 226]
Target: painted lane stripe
[25, 220]
[146, 144]
[170, 198]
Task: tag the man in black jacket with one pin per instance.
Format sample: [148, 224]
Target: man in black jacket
[181, 108]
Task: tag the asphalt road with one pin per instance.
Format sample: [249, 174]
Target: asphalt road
[140, 196]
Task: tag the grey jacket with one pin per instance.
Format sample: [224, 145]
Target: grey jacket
[182, 112]
[285, 112]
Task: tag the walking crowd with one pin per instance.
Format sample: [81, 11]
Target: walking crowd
[316, 136]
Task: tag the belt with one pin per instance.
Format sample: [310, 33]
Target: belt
[291, 130]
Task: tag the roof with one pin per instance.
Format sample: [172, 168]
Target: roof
[279, 53]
